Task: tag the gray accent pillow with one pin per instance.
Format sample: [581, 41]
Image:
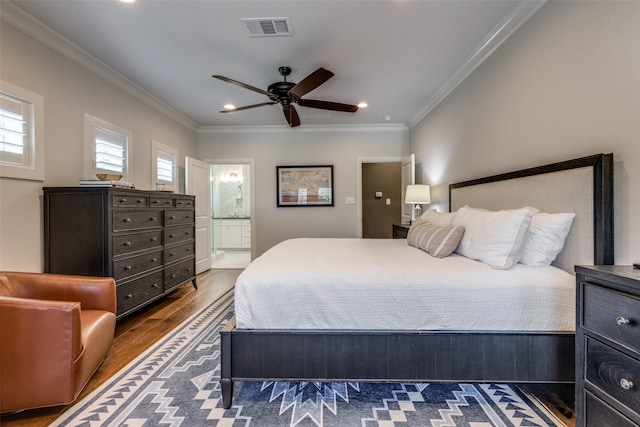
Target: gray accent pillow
[436, 240]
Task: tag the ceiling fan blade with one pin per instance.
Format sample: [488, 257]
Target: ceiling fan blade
[291, 115]
[310, 82]
[325, 105]
[248, 107]
[244, 85]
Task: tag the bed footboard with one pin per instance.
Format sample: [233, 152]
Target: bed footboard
[394, 356]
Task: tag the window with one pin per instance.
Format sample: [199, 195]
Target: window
[21, 133]
[164, 166]
[106, 148]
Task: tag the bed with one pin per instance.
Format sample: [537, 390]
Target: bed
[496, 339]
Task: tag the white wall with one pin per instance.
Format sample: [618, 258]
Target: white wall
[565, 85]
[271, 147]
[69, 91]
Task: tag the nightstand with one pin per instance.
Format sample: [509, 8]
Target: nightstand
[608, 346]
[400, 231]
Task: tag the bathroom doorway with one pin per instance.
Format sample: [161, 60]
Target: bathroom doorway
[231, 207]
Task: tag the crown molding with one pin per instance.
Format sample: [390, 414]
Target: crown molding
[19, 19]
[517, 15]
[400, 127]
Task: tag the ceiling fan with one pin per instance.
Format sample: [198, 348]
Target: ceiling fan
[287, 93]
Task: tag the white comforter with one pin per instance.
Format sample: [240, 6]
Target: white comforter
[387, 284]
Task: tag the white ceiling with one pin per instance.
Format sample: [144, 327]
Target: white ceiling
[399, 56]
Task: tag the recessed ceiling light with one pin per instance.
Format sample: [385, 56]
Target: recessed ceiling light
[229, 107]
[363, 105]
[387, 118]
[127, 1]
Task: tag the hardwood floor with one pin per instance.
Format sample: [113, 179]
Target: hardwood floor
[136, 333]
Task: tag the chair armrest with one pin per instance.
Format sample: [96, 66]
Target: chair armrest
[94, 293]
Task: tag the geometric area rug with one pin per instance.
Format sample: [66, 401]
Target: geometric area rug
[176, 383]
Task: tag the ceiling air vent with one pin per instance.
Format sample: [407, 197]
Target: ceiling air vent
[268, 27]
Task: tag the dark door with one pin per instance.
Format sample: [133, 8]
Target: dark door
[381, 199]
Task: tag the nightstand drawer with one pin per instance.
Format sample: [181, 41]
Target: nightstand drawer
[617, 374]
[599, 414]
[614, 315]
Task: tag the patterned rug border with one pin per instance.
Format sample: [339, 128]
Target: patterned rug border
[112, 402]
[218, 306]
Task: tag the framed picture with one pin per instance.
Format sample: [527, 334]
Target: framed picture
[305, 185]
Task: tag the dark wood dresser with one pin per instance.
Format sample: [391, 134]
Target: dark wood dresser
[145, 240]
[608, 346]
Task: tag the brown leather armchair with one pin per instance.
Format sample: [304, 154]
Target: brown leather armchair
[55, 330]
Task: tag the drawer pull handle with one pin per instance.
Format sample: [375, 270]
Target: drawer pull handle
[153, 239]
[172, 235]
[154, 259]
[172, 217]
[155, 285]
[172, 254]
[123, 200]
[129, 296]
[155, 202]
[128, 267]
[626, 384]
[621, 321]
[127, 243]
[127, 220]
[140, 200]
[153, 218]
[173, 276]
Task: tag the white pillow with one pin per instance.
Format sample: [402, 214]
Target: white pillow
[438, 218]
[545, 238]
[493, 237]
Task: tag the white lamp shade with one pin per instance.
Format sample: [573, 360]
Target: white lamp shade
[418, 193]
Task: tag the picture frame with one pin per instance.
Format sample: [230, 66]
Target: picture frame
[305, 185]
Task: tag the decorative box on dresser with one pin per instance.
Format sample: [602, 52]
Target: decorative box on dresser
[145, 240]
[608, 346]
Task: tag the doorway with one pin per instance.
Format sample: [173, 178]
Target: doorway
[231, 215]
[381, 199]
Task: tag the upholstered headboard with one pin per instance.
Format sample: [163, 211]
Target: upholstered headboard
[583, 186]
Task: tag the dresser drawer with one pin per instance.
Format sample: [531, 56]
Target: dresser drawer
[178, 273]
[131, 220]
[135, 265]
[175, 253]
[187, 202]
[123, 200]
[131, 242]
[599, 414]
[617, 374]
[178, 234]
[138, 291]
[175, 217]
[160, 202]
[612, 314]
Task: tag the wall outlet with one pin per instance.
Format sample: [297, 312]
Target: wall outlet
[351, 201]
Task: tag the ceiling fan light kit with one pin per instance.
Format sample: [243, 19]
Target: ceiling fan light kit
[288, 93]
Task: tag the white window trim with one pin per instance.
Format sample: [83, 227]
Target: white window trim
[156, 148]
[34, 170]
[89, 125]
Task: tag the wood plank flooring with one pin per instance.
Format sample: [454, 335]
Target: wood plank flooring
[137, 332]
